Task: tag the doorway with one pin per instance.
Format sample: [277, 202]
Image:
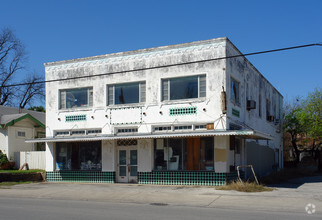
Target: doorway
[127, 163]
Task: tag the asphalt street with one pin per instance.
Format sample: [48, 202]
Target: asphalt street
[39, 209]
[296, 199]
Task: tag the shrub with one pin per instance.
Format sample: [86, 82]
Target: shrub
[3, 159]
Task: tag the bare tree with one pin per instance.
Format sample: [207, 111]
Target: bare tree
[12, 60]
[12, 57]
[31, 90]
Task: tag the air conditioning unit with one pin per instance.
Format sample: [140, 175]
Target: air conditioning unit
[270, 118]
[251, 104]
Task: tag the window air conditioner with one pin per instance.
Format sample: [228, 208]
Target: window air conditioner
[251, 104]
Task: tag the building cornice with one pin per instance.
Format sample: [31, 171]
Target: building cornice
[137, 54]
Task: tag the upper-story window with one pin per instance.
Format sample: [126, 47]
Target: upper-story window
[21, 134]
[127, 93]
[76, 98]
[234, 90]
[184, 88]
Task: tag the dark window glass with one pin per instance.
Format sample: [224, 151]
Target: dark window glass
[79, 156]
[74, 98]
[184, 88]
[159, 155]
[127, 93]
[63, 156]
[207, 153]
[234, 91]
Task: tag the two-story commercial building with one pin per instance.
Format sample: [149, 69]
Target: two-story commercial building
[178, 114]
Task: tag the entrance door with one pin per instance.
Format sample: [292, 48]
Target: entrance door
[127, 165]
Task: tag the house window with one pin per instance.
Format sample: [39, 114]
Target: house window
[21, 134]
[182, 127]
[162, 128]
[76, 98]
[62, 133]
[200, 127]
[128, 93]
[234, 91]
[184, 88]
[97, 131]
[78, 132]
[127, 130]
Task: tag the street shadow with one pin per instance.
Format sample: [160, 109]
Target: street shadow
[296, 183]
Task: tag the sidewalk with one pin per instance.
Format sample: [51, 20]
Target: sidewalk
[290, 197]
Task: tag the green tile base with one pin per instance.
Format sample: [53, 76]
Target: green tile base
[81, 176]
[208, 178]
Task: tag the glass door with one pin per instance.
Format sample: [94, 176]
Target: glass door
[127, 165]
[133, 166]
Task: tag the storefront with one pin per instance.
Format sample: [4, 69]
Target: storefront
[79, 156]
[204, 158]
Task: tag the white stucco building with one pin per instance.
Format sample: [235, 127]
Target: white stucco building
[179, 114]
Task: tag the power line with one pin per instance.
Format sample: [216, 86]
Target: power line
[169, 65]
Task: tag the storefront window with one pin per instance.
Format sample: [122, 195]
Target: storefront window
[79, 156]
[184, 154]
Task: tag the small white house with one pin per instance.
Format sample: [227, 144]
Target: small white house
[17, 125]
[178, 114]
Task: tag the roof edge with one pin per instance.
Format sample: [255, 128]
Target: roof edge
[140, 51]
[27, 115]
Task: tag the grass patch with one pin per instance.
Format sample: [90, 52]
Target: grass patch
[21, 171]
[4, 185]
[246, 187]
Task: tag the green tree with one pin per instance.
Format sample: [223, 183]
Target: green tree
[37, 108]
[293, 126]
[310, 116]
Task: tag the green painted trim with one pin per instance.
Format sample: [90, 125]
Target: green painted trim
[235, 112]
[22, 118]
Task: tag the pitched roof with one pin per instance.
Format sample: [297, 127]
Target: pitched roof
[11, 114]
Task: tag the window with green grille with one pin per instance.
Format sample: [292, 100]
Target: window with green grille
[183, 111]
[71, 118]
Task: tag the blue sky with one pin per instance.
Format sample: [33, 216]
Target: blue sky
[60, 30]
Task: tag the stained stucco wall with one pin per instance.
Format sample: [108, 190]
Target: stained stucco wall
[156, 112]
[252, 86]
[153, 106]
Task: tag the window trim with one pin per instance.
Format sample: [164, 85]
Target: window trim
[89, 104]
[22, 132]
[140, 85]
[181, 77]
